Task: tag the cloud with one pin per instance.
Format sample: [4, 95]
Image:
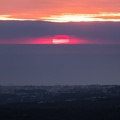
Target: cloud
[59, 64]
[108, 32]
[56, 6]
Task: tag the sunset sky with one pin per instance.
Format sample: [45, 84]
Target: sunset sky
[38, 21]
[60, 10]
[53, 42]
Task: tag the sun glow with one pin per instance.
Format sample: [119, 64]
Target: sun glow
[115, 17]
[65, 17]
[9, 17]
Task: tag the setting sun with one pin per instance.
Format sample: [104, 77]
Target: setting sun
[61, 39]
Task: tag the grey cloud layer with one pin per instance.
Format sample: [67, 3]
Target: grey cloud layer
[72, 64]
[108, 31]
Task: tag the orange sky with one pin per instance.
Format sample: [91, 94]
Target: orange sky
[44, 9]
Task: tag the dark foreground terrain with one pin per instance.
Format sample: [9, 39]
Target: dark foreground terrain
[88, 110]
[60, 103]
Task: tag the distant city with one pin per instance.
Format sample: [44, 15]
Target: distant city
[57, 93]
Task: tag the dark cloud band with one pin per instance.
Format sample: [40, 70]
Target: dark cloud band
[105, 31]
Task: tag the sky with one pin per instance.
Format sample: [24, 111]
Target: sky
[53, 42]
[60, 11]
